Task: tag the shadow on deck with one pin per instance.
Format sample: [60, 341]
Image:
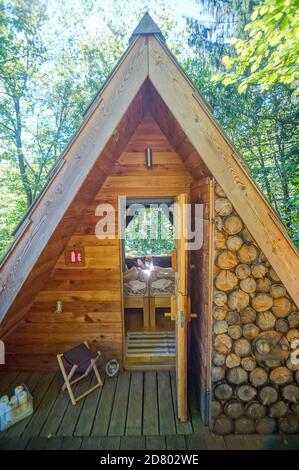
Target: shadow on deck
[135, 410]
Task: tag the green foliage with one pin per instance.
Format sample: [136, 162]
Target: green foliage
[270, 52]
[149, 233]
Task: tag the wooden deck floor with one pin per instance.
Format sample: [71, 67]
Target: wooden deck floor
[135, 410]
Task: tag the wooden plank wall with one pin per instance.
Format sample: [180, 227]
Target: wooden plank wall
[201, 288]
[91, 295]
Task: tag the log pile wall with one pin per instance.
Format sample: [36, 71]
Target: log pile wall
[255, 324]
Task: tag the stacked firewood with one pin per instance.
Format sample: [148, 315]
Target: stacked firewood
[255, 383]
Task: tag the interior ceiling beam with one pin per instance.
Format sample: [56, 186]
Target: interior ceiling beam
[174, 133]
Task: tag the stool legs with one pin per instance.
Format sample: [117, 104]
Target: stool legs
[67, 377]
[67, 383]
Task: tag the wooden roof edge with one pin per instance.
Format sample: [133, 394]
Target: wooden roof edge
[198, 96]
[145, 27]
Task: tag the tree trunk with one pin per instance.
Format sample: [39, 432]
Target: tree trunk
[232, 361]
[238, 300]
[280, 375]
[289, 424]
[262, 302]
[248, 285]
[223, 207]
[244, 425]
[259, 270]
[234, 242]
[232, 224]
[278, 409]
[291, 393]
[248, 363]
[258, 377]
[223, 344]
[242, 347]
[225, 280]
[237, 376]
[266, 320]
[223, 392]
[218, 374]
[266, 425]
[234, 331]
[246, 392]
[248, 254]
[219, 298]
[227, 260]
[243, 271]
[281, 307]
[255, 410]
[268, 395]
[223, 425]
[234, 409]
[216, 409]
[250, 331]
[248, 315]
[20, 154]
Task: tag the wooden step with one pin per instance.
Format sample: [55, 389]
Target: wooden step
[151, 345]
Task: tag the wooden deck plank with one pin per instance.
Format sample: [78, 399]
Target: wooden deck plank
[110, 443]
[42, 443]
[46, 403]
[88, 412]
[6, 378]
[32, 384]
[56, 414]
[134, 416]
[254, 441]
[39, 393]
[119, 411]
[291, 442]
[214, 442]
[155, 443]
[181, 428]
[11, 443]
[71, 443]
[18, 379]
[166, 412]
[90, 443]
[280, 442]
[69, 420]
[193, 402]
[150, 406]
[132, 443]
[102, 417]
[196, 442]
[235, 442]
[175, 442]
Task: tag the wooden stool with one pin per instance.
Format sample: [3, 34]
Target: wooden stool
[79, 358]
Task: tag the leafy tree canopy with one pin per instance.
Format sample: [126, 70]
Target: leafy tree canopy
[270, 52]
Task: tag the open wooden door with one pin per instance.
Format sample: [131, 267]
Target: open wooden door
[181, 304]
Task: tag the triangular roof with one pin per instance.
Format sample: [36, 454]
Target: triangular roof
[98, 142]
[145, 27]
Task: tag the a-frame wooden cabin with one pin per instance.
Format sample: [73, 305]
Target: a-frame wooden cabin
[243, 280]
